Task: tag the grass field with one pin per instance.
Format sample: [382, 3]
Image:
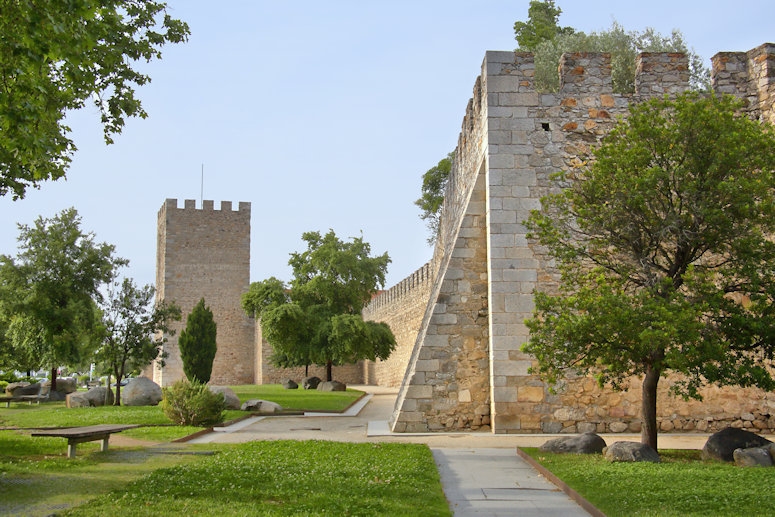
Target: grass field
[258, 478]
[286, 478]
[681, 485]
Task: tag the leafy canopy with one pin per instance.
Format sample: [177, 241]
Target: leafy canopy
[54, 57]
[542, 25]
[197, 343]
[664, 246]
[50, 291]
[134, 329]
[434, 183]
[317, 319]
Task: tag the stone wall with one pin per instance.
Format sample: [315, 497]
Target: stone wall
[401, 307]
[205, 253]
[466, 369]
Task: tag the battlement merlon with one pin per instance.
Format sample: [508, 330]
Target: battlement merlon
[208, 205]
[748, 75]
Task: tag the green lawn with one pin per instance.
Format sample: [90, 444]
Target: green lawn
[286, 478]
[157, 426]
[299, 399]
[258, 478]
[681, 485]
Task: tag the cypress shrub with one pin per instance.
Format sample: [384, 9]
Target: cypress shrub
[197, 344]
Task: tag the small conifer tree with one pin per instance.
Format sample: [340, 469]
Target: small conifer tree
[197, 344]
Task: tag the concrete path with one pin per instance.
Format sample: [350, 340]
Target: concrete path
[496, 482]
[480, 472]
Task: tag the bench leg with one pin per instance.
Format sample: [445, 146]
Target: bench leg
[105, 443]
[71, 449]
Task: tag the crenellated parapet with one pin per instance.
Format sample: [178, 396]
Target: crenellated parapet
[396, 294]
[207, 206]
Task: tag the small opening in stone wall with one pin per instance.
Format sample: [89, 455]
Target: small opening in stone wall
[545, 125]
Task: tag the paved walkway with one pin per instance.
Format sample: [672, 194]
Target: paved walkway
[480, 472]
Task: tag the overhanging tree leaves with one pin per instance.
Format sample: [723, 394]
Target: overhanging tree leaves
[542, 35]
[135, 329]
[317, 320]
[197, 343]
[434, 184]
[541, 25]
[54, 57]
[51, 290]
[664, 245]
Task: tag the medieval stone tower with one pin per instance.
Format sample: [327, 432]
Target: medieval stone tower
[205, 253]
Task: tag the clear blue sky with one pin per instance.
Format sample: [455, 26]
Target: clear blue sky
[321, 114]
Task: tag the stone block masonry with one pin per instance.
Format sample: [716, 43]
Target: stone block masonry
[466, 370]
[205, 253]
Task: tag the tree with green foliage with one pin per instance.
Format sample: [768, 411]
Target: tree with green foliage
[197, 344]
[135, 329]
[541, 25]
[50, 291]
[54, 57]
[434, 183]
[542, 36]
[317, 319]
[664, 246]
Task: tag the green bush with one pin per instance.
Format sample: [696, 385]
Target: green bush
[3, 385]
[8, 377]
[192, 403]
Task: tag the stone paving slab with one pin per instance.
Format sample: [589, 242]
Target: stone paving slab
[496, 482]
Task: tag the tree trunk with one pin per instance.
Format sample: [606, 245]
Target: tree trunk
[329, 367]
[119, 376]
[306, 370]
[53, 379]
[648, 433]
[107, 393]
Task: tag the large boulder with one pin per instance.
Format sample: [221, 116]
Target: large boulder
[722, 445]
[95, 397]
[140, 391]
[753, 457]
[77, 399]
[290, 384]
[310, 383]
[630, 451]
[261, 406]
[229, 397]
[65, 385]
[587, 443]
[20, 389]
[332, 386]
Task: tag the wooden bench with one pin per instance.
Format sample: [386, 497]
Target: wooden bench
[43, 394]
[89, 433]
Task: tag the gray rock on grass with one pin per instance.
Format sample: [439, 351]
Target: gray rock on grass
[290, 384]
[141, 391]
[586, 443]
[630, 452]
[261, 406]
[753, 457]
[229, 397]
[332, 386]
[722, 445]
[310, 383]
[95, 397]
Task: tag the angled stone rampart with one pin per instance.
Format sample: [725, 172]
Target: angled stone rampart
[466, 369]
